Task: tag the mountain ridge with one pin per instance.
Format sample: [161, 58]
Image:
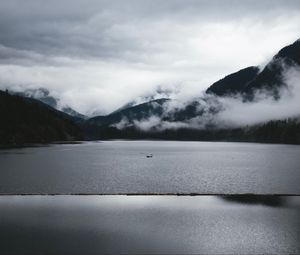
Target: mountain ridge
[234, 83]
[44, 96]
[271, 77]
[243, 83]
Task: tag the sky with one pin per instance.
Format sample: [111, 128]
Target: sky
[97, 55]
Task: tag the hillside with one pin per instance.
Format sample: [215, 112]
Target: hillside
[122, 124]
[234, 83]
[271, 77]
[44, 96]
[25, 121]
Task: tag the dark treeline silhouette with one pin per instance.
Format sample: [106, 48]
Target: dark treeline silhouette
[25, 121]
[283, 131]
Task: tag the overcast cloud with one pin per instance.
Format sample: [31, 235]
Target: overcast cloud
[99, 55]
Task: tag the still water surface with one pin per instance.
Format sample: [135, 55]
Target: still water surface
[113, 167]
[149, 224]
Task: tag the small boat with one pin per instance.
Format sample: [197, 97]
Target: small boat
[149, 156]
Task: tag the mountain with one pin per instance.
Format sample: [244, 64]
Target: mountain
[40, 94]
[26, 120]
[250, 79]
[122, 123]
[77, 116]
[157, 94]
[271, 77]
[234, 83]
[29, 120]
[94, 126]
[44, 96]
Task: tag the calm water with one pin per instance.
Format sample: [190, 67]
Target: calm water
[176, 167]
[152, 224]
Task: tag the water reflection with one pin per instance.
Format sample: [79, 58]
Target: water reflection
[274, 201]
[149, 224]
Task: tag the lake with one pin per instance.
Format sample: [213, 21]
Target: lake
[149, 224]
[120, 167]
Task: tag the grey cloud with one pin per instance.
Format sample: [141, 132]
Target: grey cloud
[99, 55]
[110, 29]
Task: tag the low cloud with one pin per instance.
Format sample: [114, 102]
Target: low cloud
[264, 107]
[229, 112]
